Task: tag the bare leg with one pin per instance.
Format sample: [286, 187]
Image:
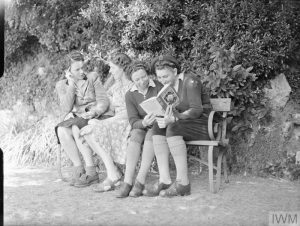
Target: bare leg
[69, 145]
[112, 171]
[85, 150]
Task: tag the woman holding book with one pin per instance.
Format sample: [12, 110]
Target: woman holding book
[141, 133]
[184, 122]
[108, 138]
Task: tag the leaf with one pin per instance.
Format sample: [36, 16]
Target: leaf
[249, 69]
[237, 67]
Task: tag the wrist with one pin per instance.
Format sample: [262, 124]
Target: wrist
[144, 124]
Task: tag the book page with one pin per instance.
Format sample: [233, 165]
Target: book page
[151, 105]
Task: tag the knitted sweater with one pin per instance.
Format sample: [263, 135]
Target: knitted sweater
[133, 99]
[194, 99]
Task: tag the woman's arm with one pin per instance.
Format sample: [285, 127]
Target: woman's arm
[132, 112]
[193, 97]
[66, 94]
[102, 101]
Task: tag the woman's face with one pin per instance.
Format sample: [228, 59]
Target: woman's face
[116, 71]
[140, 79]
[76, 70]
[167, 75]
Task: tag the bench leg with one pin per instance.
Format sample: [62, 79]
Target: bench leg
[211, 168]
[219, 169]
[58, 166]
[225, 168]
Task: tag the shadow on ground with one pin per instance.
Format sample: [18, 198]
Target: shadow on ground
[36, 197]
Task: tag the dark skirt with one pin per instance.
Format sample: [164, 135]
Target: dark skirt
[189, 129]
[77, 121]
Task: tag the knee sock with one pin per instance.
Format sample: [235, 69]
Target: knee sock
[147, 159]
[132, 156]
[161, 151]
[179, 152]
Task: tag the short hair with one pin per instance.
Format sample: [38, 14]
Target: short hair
[121, 59]
[163, 62]
[135, 66]
[76, 56]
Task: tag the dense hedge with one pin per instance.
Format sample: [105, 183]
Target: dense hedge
[236, 46]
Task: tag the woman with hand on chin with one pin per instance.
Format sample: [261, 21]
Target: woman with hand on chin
[81, 97]
[187, 121]
[141, 132]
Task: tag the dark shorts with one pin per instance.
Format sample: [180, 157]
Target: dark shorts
[77, 121]
[139, 135]
[189, 129]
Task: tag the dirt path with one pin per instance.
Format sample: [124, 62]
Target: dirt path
[35, 197]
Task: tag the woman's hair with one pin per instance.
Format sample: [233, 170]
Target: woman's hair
[163, 62]
[135, 66]
[75, 56]
[121, 59]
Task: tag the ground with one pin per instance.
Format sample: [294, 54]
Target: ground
[35, 196]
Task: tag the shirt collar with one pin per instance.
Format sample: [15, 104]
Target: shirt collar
[180, 77]
[151, 83]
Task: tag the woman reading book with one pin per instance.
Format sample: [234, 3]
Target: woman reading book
[141, 132]
[187, 121]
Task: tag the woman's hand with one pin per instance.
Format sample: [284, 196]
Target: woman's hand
[94, 122]
[86, 130]
[148, 120]
[88, 115]
[167, 119]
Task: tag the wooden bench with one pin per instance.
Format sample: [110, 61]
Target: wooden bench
[217, 135]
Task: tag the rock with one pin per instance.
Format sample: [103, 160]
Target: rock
[296, 118]
[279, 93]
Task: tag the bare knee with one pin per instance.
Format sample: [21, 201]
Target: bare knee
[64, 133]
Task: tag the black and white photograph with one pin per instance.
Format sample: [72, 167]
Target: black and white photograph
[150, 112]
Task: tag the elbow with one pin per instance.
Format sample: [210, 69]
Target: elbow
[195, 113]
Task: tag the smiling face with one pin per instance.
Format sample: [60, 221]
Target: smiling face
[167, 75]
[76, 70]
[140, 79]
[116, 71]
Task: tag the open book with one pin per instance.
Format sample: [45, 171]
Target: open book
[157, 105]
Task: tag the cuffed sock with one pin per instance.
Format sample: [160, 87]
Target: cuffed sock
[179, 152]
[161, 151]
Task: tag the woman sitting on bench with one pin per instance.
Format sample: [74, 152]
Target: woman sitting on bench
[108, 138]
[187, 121]
[82, 97]
[141, 132]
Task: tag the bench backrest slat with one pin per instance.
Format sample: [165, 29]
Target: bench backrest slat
[220, 104]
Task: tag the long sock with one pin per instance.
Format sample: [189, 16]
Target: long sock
[161, 151]
[132, 156]
[147, 159]
[179, 152]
